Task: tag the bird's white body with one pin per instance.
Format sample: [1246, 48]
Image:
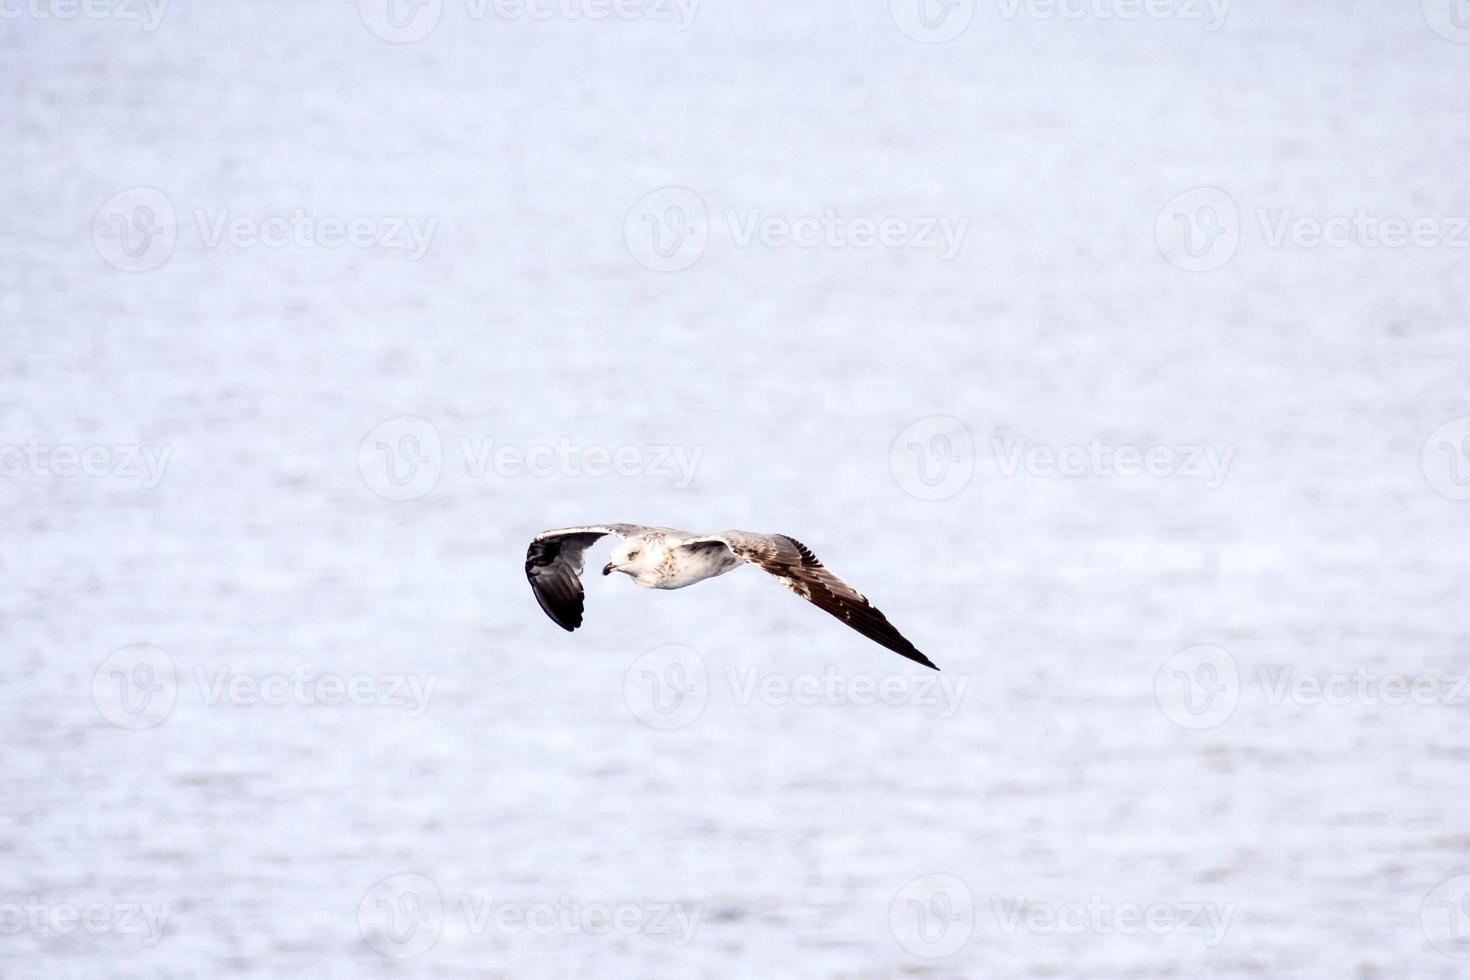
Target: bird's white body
[664, 558]
[657, 560]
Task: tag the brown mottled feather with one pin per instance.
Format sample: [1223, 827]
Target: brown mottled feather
[796, 567]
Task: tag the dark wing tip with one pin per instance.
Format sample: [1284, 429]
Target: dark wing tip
[886, 635]
[811, 580]
[918, 657]
[557, 588]
[807, 558]
[561, 605]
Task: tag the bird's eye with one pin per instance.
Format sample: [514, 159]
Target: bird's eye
[632, 554]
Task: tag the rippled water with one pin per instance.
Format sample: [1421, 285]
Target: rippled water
[307, 332]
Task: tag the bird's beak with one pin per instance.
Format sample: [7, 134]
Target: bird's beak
[608, 568]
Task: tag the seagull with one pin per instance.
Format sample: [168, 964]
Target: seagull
[664, 558]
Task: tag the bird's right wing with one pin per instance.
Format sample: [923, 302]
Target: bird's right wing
[554, 564]
[793, 565]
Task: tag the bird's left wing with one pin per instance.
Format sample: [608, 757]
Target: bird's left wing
[794, 566]
[554, 563]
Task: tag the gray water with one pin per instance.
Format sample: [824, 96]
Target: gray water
[277, 700]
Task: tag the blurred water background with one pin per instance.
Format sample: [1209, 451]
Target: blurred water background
[372, 304]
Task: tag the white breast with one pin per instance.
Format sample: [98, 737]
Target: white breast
[682, 568]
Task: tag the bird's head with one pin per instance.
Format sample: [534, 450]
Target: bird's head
[630, 557]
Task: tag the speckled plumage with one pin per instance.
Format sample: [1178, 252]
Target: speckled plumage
[665, 558]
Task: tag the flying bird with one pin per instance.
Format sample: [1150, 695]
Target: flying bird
[663, 558]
